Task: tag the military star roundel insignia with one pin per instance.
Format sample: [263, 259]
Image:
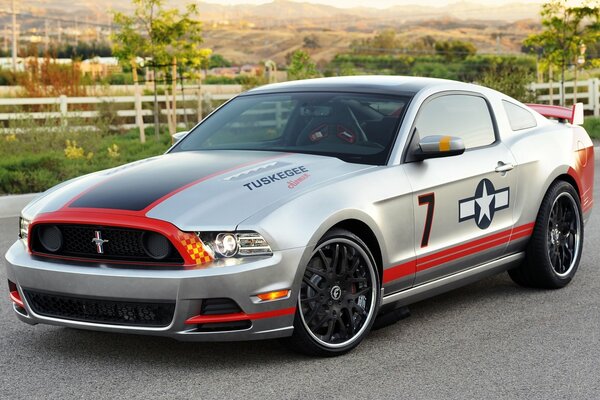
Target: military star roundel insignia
[484, 204]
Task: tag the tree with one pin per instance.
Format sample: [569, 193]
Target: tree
[311, 42]
[386, 40]
[383, 42]
[302, 66]
[164, 38]
[565, 29]
[455, 49]
[129, 45]
[511, 78]
[423, 45]
[217, 60]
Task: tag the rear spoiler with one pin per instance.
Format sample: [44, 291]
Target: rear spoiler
[574, 115]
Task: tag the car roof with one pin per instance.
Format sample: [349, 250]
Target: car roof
[403, 85]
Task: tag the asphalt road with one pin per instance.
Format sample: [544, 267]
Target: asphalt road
[490, 340]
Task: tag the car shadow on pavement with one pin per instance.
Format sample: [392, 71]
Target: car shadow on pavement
[103, 347]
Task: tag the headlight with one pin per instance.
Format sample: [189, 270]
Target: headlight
[226, 244]
[23, 227]
[235, 244]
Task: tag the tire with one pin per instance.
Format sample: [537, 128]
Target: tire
[338, 298]
[554, 251]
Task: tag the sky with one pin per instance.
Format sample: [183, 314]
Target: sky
[384, 3]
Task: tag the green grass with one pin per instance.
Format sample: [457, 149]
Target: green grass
[592, 126]
[34, 162]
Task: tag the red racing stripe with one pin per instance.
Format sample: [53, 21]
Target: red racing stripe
[69, 205]
[173, 193]
[399, 271]
[211, 319]
[457, 252]
[473, 247]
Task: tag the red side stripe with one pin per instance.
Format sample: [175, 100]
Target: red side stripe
[465, 246]
[454, 253]
[473, 247]
[211, 319]
[399, 271]
[466, 252]
[15, 297]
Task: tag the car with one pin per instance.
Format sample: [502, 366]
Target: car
[305, 210]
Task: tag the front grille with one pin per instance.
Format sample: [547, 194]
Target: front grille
[120, 244]
[101, 311]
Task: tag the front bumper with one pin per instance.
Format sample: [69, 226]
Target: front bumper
[187, 288]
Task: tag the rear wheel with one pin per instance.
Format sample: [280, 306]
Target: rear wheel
[338, 298]
[554, 251]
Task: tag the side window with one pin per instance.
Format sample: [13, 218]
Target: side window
[461, 115]
[518, 117]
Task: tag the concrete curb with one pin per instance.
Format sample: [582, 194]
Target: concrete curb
[11, 206]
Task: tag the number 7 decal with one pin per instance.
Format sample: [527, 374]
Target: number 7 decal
[429, 199]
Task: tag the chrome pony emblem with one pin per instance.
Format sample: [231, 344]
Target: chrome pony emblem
[99, 242]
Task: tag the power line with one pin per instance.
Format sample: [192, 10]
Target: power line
[39, 17]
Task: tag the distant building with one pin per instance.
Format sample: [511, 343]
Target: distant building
[229, 72]
[100, 67]
[6, 62]
[232, 72]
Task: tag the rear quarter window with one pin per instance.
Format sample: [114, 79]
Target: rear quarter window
[518, 117]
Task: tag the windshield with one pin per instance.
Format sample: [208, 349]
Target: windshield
[358, 128]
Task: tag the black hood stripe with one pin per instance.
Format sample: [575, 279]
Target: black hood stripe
[138, 187]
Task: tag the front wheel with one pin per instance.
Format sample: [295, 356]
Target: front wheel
[338, 297]
[555, 248]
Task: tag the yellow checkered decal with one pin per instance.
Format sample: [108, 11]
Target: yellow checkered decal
[195, 248]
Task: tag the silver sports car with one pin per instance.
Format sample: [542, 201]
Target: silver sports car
[307, 209]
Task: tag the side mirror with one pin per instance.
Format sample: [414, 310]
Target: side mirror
[439, 146]
[177, 136]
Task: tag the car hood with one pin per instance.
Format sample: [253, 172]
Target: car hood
[192, 190]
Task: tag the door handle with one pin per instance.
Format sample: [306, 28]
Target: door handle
[503, 167]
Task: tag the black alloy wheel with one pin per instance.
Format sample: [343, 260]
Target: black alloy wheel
[338, 296]
[554, 250]
[563, 234]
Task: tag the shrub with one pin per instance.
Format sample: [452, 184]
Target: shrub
[592, 126]
[37, 161]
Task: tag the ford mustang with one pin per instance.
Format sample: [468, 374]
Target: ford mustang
[305, 210]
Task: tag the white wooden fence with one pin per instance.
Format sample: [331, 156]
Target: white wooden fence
[65, 109]
[61, 108]
[588, 93]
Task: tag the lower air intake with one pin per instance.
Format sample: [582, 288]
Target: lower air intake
[101, 311]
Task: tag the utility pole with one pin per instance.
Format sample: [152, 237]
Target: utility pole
[14, 36]
[59, 33]
[98, 26]
[46, 38]
[5, 48]
[86, 28]
[497, 43]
